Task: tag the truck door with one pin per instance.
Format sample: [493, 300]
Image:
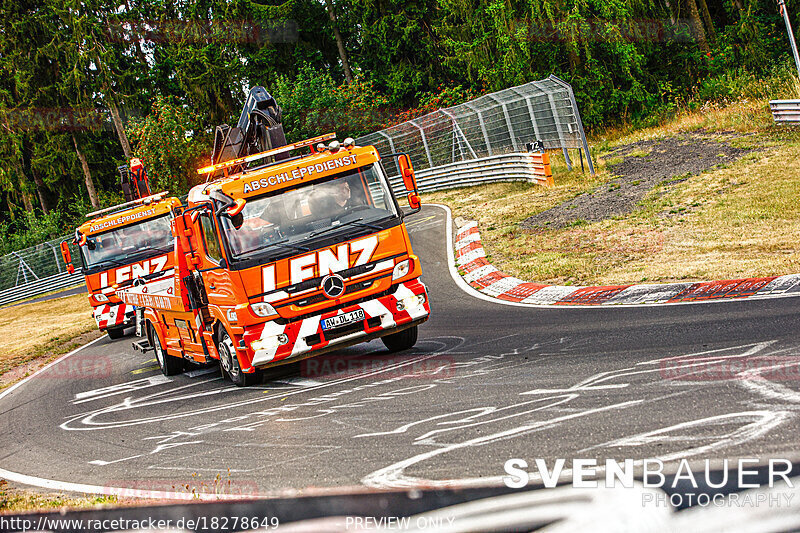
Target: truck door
[217, 280]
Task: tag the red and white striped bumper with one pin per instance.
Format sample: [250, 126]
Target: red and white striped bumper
[275, 342]
[111, 315]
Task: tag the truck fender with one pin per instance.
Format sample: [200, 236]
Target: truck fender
[151, 318]
[218, 327]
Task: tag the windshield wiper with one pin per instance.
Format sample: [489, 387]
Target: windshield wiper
[106, 261]
[282, 244]
[356, 222]
[161, 249]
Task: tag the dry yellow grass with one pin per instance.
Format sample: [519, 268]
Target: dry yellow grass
[741, 221]
[34, 329]
[13, 500]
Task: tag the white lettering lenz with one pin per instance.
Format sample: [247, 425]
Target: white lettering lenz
[322, 263]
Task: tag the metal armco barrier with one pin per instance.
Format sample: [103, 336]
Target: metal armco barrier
[40, 286]
[785, 111]
[529, 167]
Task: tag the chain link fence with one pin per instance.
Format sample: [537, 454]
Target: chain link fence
[35, 270]
[494, 124]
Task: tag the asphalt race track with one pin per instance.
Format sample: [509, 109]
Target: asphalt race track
[486, 383]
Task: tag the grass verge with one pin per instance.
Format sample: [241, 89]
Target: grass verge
[35, 333]
[17, 500]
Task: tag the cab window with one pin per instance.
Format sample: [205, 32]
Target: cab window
[213, 249]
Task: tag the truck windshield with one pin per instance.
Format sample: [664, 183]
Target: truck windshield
[354, 199]
[123, 245]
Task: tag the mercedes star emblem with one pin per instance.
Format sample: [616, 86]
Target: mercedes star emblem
[333, 285]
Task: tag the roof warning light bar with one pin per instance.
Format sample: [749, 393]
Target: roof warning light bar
[283, 149]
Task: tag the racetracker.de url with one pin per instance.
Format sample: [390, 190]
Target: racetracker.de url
[200, 523]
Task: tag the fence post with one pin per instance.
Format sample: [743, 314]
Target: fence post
[424, 142]
[457, 129]
[55, 256]
[388, 138]
[483, 127]
[578, 119]
[508, 122]
[531, 113]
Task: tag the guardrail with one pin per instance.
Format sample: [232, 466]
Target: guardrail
[785, 111]
[531, 167]
[40, 286]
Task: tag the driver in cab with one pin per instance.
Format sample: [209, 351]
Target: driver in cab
[332, 199]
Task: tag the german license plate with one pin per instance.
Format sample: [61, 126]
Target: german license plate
[343, 319]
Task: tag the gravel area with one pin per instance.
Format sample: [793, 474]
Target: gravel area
[644, 166]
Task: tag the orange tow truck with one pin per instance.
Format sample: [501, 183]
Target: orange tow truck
[289, 259]
[123, 245]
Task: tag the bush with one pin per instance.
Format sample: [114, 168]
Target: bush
[30, 229]
[313, 104]
[171, 144]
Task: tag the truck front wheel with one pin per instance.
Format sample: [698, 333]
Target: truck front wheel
[229, 363]
[402, 340]
[169, 364]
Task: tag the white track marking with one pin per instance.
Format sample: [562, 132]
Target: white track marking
[393, 476]
[761, 423]
[474, 417]
[95, 489]
[113, 390]
[157, 449]
[88, 424]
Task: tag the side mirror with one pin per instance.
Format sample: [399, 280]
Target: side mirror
[227, 205]
[236, 208]
[407, 172]
[65, 253]
[414, 201]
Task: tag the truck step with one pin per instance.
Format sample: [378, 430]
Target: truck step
[142, 346]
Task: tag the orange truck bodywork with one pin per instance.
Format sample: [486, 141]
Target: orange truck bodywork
[125, 261]
[206, 300]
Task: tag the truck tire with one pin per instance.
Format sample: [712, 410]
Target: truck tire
[169, 364]
[402, 340]
[115, 333]
[229, 363]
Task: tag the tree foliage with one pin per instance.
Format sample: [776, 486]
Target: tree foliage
[84, 75]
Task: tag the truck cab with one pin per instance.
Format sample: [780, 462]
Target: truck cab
[121, 246]
[285, 261]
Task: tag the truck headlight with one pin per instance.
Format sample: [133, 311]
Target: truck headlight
[411, 302]
[263, 309]
[401, 269]
[101, 298]
[270, 343]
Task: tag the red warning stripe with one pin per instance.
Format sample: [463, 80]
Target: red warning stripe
[466, 232]
[592, 295]
[475, 265]
[468, 248]
[521, 291]
[488, 279]
[730, 288]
